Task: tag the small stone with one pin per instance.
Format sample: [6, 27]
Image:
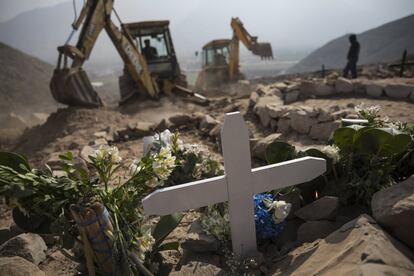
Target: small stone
[276, 110]
[289, 233]
[292, 87]
[343, 85]
[323, 89]
[273, 124]
[280, 85]
[307, 89]
[261, 108]
[17, 266]
[198, 241]
[100, 141]
[393, 208]
[310, 111]
[398, 91]
[374, 90]
[263, 114]
[28, 245]
[180, 119]
[207, 123]
[7, 233]
[259, 150]
[319, 229]
[254, 98]
[283, 125]
[324, 115]
[321, 209]
[340, 114]
[100, 134]
[291, 96]
[323, 131]
[86, 151]
[359, 86]
[215, 131]
[301, 122]
[197, 268]
[162, 125]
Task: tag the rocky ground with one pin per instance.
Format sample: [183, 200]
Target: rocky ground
[304, 113]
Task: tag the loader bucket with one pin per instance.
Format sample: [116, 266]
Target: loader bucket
[71, 86]
[264, 50]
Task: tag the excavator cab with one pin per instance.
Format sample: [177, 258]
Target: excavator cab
[215, 62]
[221, 62]
[153, 39]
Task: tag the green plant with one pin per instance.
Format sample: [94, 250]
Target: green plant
[361, 160]
[38, 193]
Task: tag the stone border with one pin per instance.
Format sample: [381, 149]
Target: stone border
[396, 88]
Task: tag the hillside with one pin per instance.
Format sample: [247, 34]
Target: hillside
[24, 83]
[382, 44]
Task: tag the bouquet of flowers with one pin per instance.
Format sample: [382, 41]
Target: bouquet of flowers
[269, 218]
[133, 242]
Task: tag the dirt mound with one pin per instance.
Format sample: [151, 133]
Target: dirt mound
[67, 129]
[24, 83]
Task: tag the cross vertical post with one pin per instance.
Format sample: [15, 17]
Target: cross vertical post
[237, 164]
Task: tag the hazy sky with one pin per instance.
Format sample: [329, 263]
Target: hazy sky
[286, 23]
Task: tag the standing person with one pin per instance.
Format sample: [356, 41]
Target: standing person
[352, 57]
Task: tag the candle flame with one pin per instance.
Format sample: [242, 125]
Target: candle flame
[316, 195]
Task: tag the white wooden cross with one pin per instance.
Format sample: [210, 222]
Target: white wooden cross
[237, 186]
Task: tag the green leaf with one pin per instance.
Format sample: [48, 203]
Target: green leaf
[383, 142]
[15, 161]
[169, 246]
[68, 156]
[165, 226]
[279, 151]
[317, 153]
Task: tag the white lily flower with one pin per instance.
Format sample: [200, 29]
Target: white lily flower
[146, 241]
[280, 209]
[135, 167]
[107, 153]
[332, 152]
[164, 137]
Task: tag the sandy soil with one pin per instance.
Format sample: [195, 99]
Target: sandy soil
[73, 128]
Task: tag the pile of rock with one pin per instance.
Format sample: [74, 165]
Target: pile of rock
[317, 123]
[21, 253]
[396, 88]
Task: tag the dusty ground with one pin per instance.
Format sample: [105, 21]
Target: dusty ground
[73, 128]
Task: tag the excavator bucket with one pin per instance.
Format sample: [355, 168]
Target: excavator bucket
[71, 86]
[264, 50]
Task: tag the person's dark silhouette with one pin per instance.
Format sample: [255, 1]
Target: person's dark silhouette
[149, 52]
[352, 57]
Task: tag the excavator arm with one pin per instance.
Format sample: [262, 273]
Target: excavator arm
[264, 50]
[70, 84]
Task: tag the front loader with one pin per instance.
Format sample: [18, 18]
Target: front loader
[70, 84]
[221, 57]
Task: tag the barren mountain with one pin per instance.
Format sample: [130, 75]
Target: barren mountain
[383, 44]
[24, 83]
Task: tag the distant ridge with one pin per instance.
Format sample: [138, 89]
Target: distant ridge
[382, 44]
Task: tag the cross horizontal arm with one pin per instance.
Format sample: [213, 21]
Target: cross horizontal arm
[186, 196]
[287, 173]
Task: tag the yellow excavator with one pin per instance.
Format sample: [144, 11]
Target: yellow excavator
[146, 48]
[220, 57]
